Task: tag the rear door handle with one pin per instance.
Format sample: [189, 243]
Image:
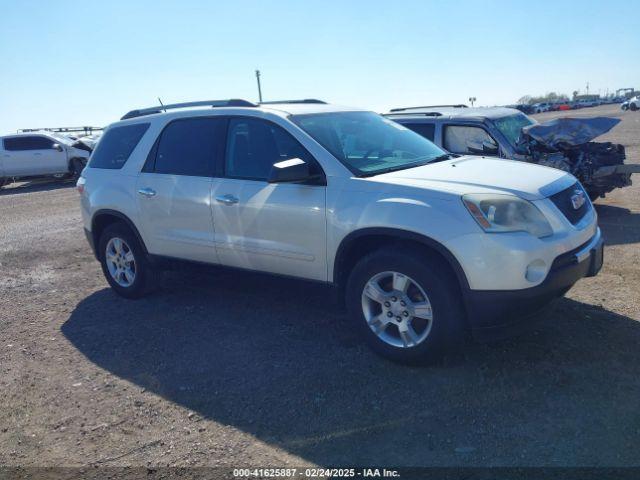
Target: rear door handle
[227, 199]
[147, 192]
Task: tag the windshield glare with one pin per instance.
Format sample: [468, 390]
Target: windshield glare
[511, 126]
[367, 143]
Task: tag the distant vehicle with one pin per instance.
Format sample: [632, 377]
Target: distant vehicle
[523, 107]
[499, 131]
[632, 104]
[541, 107]
[583, 103]
[39, 154]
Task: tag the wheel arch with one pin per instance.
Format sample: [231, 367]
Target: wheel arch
[361, 242]
[103, 218]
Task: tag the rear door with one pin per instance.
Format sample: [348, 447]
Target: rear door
[174, 189]
[277, 228]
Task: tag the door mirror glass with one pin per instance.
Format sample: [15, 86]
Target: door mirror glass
[57, 146]
[289, 171]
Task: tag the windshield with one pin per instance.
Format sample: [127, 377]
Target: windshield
[511, 126]
[367, 143]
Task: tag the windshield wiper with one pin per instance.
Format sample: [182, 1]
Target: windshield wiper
[443, 157]
[439, 158]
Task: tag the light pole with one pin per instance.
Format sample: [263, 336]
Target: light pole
[472, 100]
[259, 88]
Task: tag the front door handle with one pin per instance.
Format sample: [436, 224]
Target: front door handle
[147, 192]
[227, 199]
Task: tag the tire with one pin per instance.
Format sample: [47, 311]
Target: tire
[76, 165]
[426, 276]
[633, 107]
[129, 279]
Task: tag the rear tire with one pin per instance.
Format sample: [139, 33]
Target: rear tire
[124, 262]
[633, 107]
[385, 322]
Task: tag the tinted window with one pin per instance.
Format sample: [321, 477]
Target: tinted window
[28, 143]
[470, 140]
[116, 145]
[253, 146]
[427, 130]
[188, 147]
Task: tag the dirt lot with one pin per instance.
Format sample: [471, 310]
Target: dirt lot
[237, 369]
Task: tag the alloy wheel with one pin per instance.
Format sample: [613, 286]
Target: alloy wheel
[397, 309]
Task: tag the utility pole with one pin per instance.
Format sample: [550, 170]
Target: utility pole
[259, 88]
[587, 88]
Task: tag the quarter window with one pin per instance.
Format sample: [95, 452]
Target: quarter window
[253, 146]
[470, 140]
[189, 147]
[115, 146]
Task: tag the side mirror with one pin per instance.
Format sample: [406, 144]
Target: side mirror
[57, 146]
[489, 147]
[290, 171]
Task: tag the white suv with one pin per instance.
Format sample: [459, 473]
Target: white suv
[423, 244]
[36, 154]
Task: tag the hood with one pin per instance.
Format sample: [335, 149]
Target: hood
[483, 175]
[569, 132]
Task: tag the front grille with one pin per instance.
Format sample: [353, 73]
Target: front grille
[564, 201]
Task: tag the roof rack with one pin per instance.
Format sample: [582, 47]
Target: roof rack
[234, 102]
[459, 105]
[85, 130]
[304, 100]
[424, 114]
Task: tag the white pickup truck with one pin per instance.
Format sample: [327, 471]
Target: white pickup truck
[36, 154]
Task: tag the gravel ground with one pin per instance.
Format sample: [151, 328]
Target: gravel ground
[220, 368]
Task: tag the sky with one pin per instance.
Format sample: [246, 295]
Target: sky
[70, 63]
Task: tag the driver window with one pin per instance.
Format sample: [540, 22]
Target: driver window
[254, 145]
[469, 140]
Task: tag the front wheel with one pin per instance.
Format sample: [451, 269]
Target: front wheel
[76, 165]
[633, 107]
[406, 305]
[123, 261]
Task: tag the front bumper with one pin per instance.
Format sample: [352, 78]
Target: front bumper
[496, 314]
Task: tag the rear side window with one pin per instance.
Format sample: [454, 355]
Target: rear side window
[116, 145]
[27, 143]
[189, 147]
[427, 130]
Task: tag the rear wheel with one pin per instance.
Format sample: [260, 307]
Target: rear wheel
[406, 305]
[633, 107]
[123, 261]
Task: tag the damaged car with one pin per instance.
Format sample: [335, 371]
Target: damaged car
[566, 143]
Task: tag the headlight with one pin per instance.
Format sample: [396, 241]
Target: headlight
[506, 213]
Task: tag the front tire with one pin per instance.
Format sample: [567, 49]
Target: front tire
[633, 107]
[76, 165]
[407, 305]
[124, 263]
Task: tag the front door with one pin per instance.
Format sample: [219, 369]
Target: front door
[277, 228]
[174, 190]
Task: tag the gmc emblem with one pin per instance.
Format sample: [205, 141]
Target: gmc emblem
[577, 199]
